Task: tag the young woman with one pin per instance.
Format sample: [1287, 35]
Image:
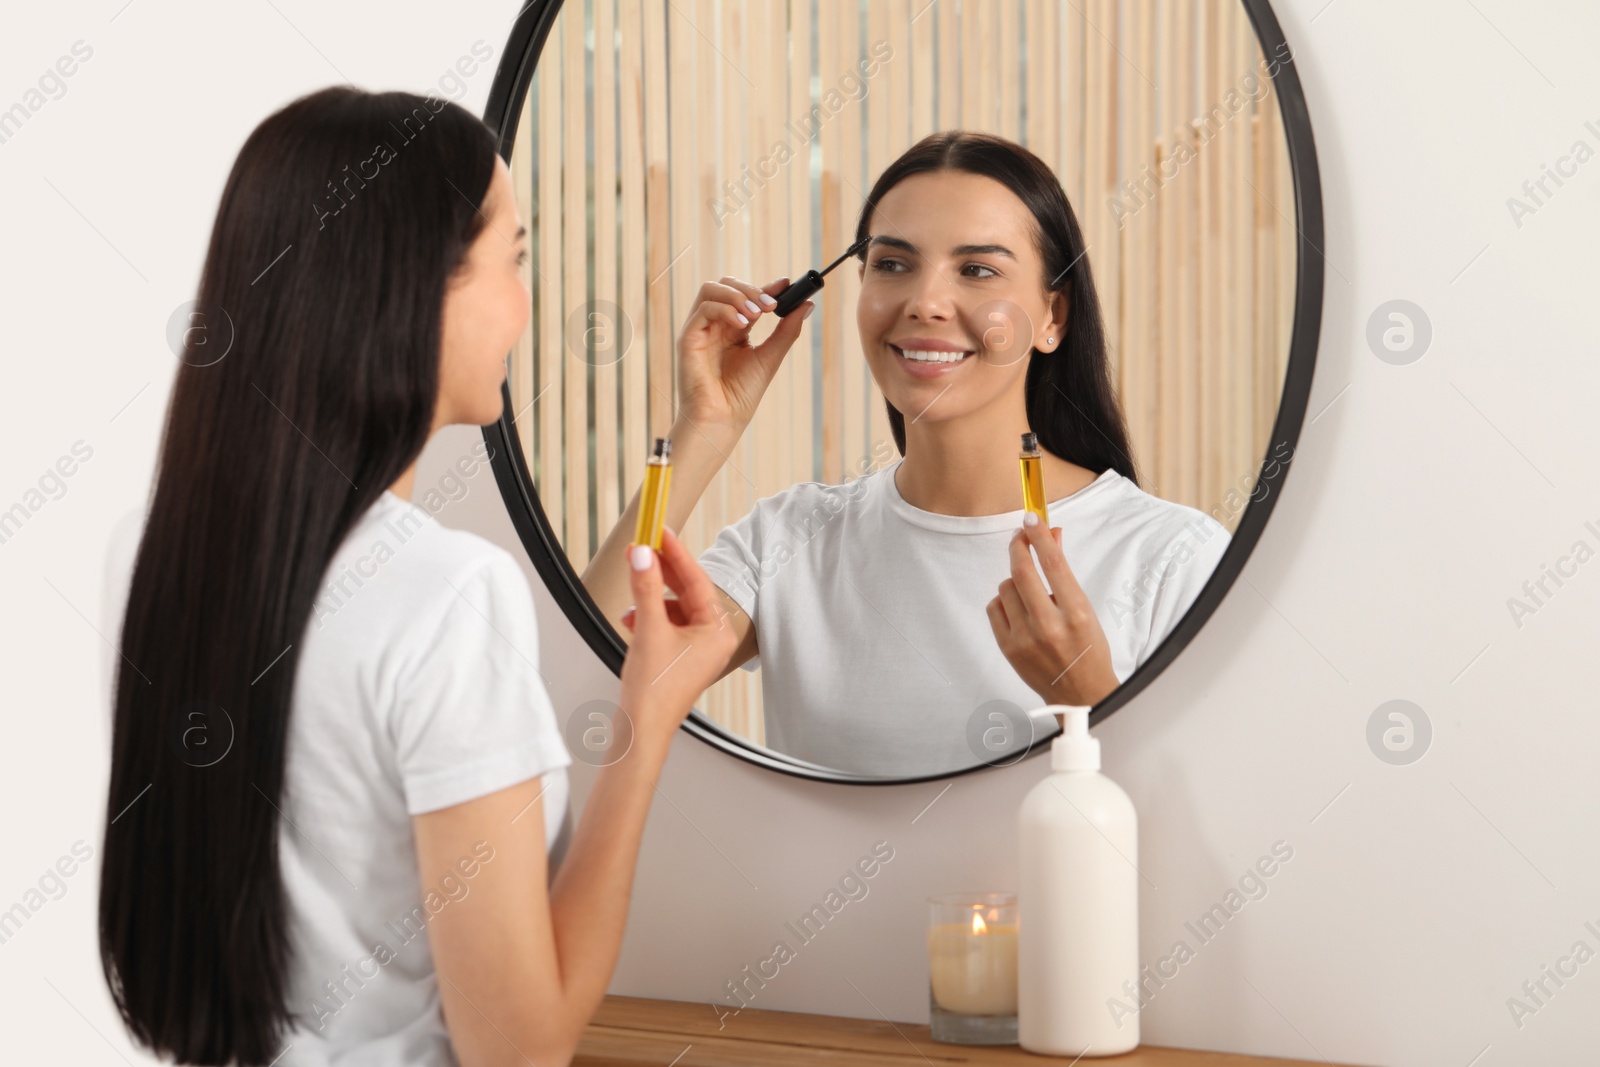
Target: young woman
[893, 615]
[336, 770]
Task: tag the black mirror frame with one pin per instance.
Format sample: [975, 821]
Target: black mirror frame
[506, 96]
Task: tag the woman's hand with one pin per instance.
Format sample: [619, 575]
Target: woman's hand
[721, 376]
[1053, 639]
[679, 647]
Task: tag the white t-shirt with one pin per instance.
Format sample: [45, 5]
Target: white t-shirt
[417, 689]
[876, 651]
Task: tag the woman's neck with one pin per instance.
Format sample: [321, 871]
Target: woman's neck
[967, 468]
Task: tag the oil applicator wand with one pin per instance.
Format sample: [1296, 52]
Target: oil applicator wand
[801, 291]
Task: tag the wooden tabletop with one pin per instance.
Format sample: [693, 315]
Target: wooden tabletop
[634, 1031]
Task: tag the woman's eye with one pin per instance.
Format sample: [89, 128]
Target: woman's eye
[885, 265]
[992, 272]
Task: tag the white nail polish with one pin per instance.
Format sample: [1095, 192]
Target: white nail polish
[641, 557]
[751, 304]
[767, 300]
[742, 320]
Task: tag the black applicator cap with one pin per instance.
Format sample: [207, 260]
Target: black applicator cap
[802, 290]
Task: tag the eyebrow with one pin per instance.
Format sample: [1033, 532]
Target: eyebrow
[959, 250]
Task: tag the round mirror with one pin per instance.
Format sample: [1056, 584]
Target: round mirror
[1094, 223]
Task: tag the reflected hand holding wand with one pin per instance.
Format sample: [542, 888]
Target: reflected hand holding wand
[1054, 639]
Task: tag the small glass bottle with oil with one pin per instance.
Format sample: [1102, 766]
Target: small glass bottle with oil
[653, 496]
[1033, 478]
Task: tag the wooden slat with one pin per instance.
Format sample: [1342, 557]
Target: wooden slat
[948, 78]
[1101, 74]
[1140, 301]
[1183, 203]
[802, 358]
[843, 284]
[609, 499]
[637, 244]
[575, 284]
[924, 63]
[520, 374]
[887, 131]
[551, 484]
[1008, 71]
[1213, 335]
[1074, 94]
[830, 315]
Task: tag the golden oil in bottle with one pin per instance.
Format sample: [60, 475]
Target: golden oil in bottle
[1033, 478]
[653, 497]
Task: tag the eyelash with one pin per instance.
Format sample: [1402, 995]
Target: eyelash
[878, 265]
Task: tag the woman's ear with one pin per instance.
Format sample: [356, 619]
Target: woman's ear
[1055, 331]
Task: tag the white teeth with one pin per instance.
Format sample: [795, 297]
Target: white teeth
[931, 356]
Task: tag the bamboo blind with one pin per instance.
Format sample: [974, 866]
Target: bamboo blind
[641, 113]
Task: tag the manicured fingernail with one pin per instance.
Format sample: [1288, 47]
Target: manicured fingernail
[1030, 519]
[807, 312]
[669, 530]
[767, 300]
[751, 304]
[640, 556]
[742, 320]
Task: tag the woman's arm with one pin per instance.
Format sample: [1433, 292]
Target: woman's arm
[721, 379]
[521, 968]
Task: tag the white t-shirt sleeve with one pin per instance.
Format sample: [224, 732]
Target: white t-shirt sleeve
[1189, 561]
[733, 563]
[472, 714]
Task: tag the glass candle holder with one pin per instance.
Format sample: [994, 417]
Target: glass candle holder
[972, 968]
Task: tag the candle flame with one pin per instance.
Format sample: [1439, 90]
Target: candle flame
[978, 926]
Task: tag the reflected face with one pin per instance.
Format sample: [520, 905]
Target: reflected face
[953, 297]
[486, 308]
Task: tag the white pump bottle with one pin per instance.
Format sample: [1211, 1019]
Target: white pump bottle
[1077, 904]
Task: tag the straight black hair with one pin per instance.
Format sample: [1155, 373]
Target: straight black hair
[1072, 405]
[308, 383]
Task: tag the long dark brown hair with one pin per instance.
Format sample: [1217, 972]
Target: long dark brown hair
[1071, 403]
[309, 378]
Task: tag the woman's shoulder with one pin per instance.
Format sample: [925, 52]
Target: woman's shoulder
[399, 566]
[1134, 512]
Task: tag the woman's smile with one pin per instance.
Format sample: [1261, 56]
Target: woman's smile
[923, 357]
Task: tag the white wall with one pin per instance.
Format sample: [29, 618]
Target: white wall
[1422, 497]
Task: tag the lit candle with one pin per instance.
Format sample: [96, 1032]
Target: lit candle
[972, 962]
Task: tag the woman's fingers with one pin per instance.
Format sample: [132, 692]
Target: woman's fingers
[1063, 583]
[786, 331]
[998, 622]
[1025, 575]
[744, 304]
[752, 293]
[645, 579]
[773, 288]
[674, 614]
[1012, 607]
[697, 597]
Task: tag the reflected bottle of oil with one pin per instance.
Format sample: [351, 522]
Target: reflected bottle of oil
[653, 497]
[1033, 478]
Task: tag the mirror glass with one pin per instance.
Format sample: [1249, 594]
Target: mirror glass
[667, 144]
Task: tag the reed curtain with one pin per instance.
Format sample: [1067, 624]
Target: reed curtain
[666, 143]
